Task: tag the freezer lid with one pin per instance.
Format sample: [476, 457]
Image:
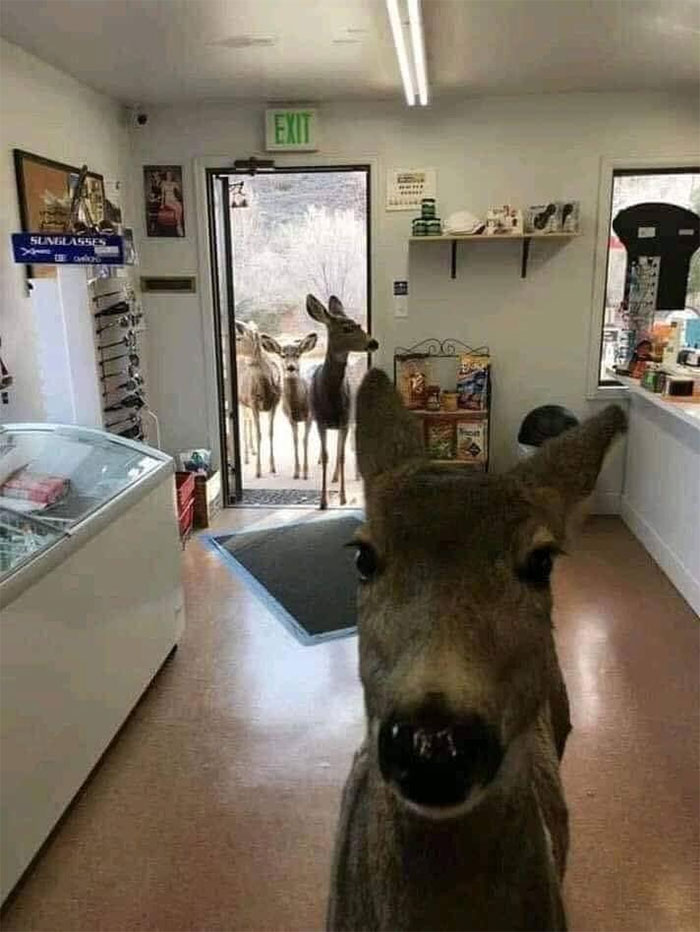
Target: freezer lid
[62, 474]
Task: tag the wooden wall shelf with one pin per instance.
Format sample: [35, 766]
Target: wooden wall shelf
[524, 238]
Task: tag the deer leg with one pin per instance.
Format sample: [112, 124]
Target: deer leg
[342, 435]
[244, 412]
[307, 430]
[336, 471]
[295, 437]
[256, 422]
[323, 436]
[273, 411]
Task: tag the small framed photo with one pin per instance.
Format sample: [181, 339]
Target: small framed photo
[49, 201]
[164, 201]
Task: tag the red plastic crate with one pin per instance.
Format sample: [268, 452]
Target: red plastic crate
[184, 484]
[185, 520]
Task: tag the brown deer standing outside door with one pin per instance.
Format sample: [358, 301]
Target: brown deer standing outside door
[453, 816]
[295, 390]
[259, 385]
[330, 394]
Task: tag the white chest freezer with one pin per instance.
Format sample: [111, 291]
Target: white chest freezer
[91, 605]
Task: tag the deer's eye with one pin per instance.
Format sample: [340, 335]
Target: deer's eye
[365, 561]
[537, 568]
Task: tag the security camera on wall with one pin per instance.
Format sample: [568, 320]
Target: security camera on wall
[137, 117]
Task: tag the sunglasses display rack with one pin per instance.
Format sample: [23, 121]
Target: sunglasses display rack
[118, 322]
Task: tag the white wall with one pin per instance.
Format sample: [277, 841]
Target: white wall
[486, 151]
[44, 111]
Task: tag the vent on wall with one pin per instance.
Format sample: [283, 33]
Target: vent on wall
[170, 284]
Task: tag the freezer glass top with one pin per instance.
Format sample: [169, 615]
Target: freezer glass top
[63, 474]
[21, 537]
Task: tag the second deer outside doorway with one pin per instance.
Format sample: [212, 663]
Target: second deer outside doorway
[294, 233]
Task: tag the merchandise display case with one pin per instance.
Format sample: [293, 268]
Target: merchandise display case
[91, 606]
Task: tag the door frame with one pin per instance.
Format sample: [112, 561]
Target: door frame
[211, 173]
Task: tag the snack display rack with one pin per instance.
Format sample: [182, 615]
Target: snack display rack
[460, 436]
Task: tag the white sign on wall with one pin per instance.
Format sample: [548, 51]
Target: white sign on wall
[405, 188]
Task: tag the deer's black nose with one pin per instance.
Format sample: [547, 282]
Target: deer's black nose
[436, 761]
[372, 346]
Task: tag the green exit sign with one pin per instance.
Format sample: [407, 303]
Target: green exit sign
[291, 129]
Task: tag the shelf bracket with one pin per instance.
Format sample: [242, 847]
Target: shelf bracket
[525, 257]
[453, 265]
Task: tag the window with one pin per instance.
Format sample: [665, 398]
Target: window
[630, 312]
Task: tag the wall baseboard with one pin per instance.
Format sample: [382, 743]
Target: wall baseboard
[680, 575]
[605, 503]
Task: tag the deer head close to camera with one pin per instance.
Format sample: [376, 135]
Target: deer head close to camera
[453, 815]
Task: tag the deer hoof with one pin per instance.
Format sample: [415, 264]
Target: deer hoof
[324, 504]
[343, 500]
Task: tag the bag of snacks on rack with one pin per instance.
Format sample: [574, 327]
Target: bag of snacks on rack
[412, 382]
[473, 381]
[471, 441]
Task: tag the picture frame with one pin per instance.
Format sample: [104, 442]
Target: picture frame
[163, 200]
[45, 190]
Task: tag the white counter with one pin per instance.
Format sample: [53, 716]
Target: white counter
[661, 491]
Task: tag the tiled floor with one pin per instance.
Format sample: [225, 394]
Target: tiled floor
[216, 807]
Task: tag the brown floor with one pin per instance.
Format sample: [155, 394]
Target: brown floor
[216, 807]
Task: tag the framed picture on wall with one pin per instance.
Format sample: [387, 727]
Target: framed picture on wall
[46, 192]
[163, 200]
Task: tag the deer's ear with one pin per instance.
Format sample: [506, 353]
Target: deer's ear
[308, 343]
[241, 328]
[315, 309]
[270, 344]
[569, 464]
[335, 307]
[387, 433]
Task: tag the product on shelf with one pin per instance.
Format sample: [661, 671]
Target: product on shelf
[471, 441]
[412, 382]
[439, 440]
[473, 382]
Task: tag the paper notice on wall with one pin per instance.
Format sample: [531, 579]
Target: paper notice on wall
[401, 298]
[405, 188]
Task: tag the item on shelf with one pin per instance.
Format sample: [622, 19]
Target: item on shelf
[675, 387]
[432, 398]
[471, 441]
[463, 223]
[674, 343]
[543, 218]
[439, 439]
[195, 461]
[568, 213]
[449, 401]
[420, 227]
[434, 227]
[504, 220]
[412, 382]
[427, 208]
[651, 379]
[35, 487]
[473, 382]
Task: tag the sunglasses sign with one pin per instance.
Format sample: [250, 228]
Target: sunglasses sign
[291, 129]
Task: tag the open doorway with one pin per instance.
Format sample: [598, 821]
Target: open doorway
[276, 236]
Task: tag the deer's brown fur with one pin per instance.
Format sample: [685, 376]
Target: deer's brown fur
[448, 614]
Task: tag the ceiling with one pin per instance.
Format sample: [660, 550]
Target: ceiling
[186, 51]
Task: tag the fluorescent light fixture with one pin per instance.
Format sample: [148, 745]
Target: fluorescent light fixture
[401, 53]
[414, 17]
